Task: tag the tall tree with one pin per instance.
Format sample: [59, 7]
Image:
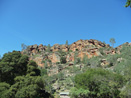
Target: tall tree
[48, 48]
[12, 64]
[23, 46]
[112, 41]
[20, 78]
[66, 42]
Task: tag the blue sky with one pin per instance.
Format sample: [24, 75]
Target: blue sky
[55, 21]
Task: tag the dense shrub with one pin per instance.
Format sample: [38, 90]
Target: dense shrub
[100, 83]
[20, 78]
[63, 60]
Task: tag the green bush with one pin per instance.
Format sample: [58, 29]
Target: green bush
[79, 93]
[85, 60]
[100, 83]
[43, 71]
[77, 61]
[63, 60]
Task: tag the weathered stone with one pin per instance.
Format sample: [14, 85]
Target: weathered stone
[89, 48]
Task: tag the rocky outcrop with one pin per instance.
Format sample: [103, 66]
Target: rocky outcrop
[89, 48]
[113, 51]
[54, 57]
[104, 62]
[58, 47]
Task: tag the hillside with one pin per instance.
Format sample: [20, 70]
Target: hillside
[86, 68]
[63, 62]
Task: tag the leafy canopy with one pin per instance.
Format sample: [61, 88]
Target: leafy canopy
[20, 78]
[100, 83]
[128, 3]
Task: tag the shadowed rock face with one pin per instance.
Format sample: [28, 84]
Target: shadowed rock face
[89, 48]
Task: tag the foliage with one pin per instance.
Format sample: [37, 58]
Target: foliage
[60, 76]
[126, 91]
[102, 51]
[112, 59]
[66, 42]
[12, 65]
[128, 3]
[48, 48]
[45, 65]
[112, 41]
[27, 87]
[3, 88]
[101, 83]
[62, 53]
[94, 62]
[43, 71]
[85, 60]
[63, 60]
[48, 82]
[79, 93]
[70, 51]
[76, 59]
[123, 67]
[20, 78]
[23, 46]
[0, 57]
[32, 69]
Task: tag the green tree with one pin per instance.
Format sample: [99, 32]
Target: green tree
[66, 42]
[20, 78]
[128, 3]
[0, 57]
[12, 64]
[27, 87]
[23, 46]
[112, 41]
[100, 83]
[48, 82]
[3, 89]
[48, 48]
[32, 69]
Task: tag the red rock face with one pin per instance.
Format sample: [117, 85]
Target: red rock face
[70, 57]
[54, 58]
[89, 48]
[113, 51]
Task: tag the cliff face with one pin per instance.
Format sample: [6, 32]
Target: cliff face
[78, 49]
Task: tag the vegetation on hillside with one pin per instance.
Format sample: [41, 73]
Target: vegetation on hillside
[103, 76]
[20, 78]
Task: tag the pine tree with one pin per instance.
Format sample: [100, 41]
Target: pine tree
[66, 42]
